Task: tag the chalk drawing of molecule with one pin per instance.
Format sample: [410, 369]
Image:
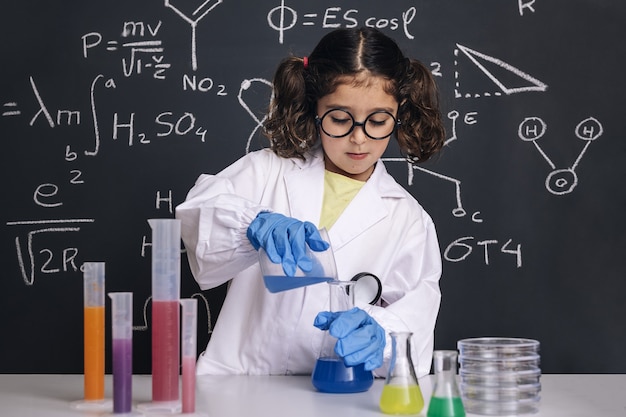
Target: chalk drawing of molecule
[192, 12]
[560, 181]
[246, 85]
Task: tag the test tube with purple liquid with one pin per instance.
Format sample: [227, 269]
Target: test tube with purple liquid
[122, 340]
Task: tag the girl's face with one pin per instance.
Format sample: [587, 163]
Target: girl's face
[355, 154]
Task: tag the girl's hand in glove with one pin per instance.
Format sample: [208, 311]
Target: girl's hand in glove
[360, 339]
[284, 239]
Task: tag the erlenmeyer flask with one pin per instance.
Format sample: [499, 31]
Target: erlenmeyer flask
[401, 392]
[446, 398]
[330, 374]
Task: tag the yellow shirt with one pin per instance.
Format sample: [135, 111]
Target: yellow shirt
[339, 190]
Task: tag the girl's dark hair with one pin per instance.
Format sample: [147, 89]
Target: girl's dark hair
[342, 53]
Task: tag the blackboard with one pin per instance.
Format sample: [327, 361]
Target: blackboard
[111, 109]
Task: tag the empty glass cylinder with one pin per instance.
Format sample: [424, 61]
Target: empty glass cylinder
[401, 392]
[446, 399]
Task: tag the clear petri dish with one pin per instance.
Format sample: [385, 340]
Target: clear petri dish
[500, 379]
[500, 394]
[502, 408]
[483, 365]
[497, 347]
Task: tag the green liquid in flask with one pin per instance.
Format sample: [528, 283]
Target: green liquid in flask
[396, 399]
[446, 407]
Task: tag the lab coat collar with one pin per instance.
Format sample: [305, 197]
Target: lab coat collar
[366, 209]
[305, 187]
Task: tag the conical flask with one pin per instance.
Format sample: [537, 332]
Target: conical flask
[330, 374]
[401, 392]
[446, 399]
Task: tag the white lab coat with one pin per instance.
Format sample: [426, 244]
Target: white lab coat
[383, 231]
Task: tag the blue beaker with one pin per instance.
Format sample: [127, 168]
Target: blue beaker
[330, 374]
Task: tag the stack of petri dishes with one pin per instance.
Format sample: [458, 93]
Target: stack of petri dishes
[499, 376]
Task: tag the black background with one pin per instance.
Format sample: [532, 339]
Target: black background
[569, 291]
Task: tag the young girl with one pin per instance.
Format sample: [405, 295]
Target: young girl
[331, 118]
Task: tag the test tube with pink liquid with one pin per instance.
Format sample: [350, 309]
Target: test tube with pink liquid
[165, 316]
[189, 343]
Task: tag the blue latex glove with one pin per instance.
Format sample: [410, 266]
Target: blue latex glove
[360, 339]
[284, 239]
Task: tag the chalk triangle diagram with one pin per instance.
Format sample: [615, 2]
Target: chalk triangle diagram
[481, 60]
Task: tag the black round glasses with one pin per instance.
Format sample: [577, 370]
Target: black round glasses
[338, 123]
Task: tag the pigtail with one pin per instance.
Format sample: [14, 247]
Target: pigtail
[299, 83]
[289, 125]
[421, 133]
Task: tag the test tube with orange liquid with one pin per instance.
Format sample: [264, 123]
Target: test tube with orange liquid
[93, 324]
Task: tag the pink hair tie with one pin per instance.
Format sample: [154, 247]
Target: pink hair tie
[305, 62]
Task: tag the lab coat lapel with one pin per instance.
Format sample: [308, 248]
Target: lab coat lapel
[305, 189]
[364, 210]
[367, 208]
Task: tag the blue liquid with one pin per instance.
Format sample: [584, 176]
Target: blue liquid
[331, 375]
[277, 283]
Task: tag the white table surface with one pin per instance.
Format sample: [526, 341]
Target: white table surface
[294, 396]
